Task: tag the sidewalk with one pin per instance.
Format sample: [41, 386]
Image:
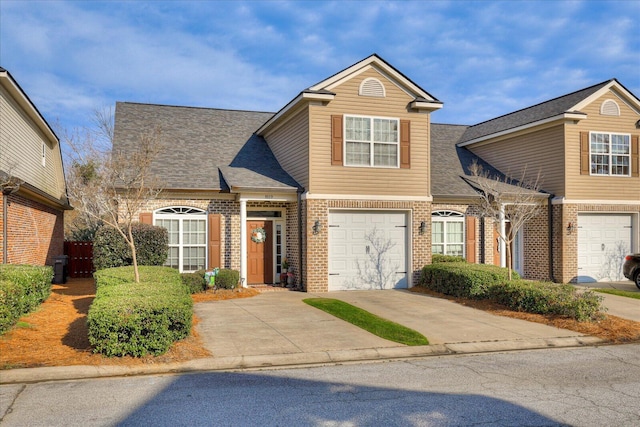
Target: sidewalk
[279, 330]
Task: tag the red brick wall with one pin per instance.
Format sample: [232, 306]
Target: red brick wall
[35, 232]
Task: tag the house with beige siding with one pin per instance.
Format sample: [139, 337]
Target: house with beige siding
[34, 194]
[353, 185]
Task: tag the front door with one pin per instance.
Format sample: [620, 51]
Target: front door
[259, 252]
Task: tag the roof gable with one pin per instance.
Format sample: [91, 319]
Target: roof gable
[384, 68]
[564, 106]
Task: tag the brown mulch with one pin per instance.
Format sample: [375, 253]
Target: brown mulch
[56, 333]
[610, 328]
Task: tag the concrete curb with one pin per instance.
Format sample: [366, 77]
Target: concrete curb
[270, 361]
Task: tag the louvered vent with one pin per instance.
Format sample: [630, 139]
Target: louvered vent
[372, 87]
[609, 108]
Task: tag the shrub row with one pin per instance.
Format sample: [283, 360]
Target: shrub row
[111, 250]
[446, 258]
[462, 279]
[128, 318]
[22, 289]
[479, 281]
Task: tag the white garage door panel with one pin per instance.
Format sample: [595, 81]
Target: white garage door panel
[367, 250]
[603, 241]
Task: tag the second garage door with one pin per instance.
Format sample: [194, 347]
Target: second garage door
[367, 250]
[603, 241]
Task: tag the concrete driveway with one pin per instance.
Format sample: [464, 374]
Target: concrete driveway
[279, 323]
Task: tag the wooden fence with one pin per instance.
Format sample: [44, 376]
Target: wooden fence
[80, 258]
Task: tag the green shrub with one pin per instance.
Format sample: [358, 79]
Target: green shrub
[136, 319]
[193, 281]
[548, 298]
[111, 250]
[446, 258]
[227, 279]
[479, 281]
[462, 279]
[22, 289]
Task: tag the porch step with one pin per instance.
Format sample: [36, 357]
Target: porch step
[270, 288]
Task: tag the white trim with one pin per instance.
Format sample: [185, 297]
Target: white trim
[372, 197]
[600, 92]
[306, 96]
[243, 243]
[266, 197]
[373, 85]
[425, 105]
[574, 116]
[371, 142]
[355, 68]
[200, 215]
[604, 104]
[610, 154]
[563, 201]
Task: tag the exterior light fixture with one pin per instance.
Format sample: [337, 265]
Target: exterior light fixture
[317, 227]
[423, 227]
[570, 228]
[638, 124]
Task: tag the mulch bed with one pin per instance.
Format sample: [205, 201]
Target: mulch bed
[56, 334]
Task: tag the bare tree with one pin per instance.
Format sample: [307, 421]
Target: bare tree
[505, 199]
[112, 186]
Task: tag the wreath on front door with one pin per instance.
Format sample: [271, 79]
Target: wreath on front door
[258, 235]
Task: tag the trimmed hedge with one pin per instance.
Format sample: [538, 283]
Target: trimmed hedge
[136, 319]
[227, 279]
[194, 282]
[111, 250]
[462, 279]
[22, 289]
[480, 281]
[446, 258]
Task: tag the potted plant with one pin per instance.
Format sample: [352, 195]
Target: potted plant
[290, 278]
[285, 265]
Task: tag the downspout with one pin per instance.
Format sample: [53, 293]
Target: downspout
[4, 227]
[300, 252]
[550, 229]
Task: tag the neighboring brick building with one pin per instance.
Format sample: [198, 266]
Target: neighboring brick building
[32, 180]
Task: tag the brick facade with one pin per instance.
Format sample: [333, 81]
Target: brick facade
[35, 232]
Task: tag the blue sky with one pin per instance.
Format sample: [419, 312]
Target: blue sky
[481, 58]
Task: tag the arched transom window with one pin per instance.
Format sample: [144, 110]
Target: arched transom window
[187, 229]
[447, 233]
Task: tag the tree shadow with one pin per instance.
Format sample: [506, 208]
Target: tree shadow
[268, 400]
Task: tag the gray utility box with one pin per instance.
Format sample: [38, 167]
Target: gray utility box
[60, 269]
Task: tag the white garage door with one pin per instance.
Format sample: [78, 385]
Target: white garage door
[603, 242]
[367, 250]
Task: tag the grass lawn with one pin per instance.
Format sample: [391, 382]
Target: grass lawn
[369, 322]
[628, 294]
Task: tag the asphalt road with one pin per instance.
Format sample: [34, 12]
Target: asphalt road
[589, 386]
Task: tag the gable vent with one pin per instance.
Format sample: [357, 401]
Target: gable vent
[609, 108]
[372, 87]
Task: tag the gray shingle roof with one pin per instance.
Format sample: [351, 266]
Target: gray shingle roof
[450, 164]
[203, 147]
[545, 110]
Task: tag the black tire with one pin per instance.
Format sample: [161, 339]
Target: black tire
[637, 279]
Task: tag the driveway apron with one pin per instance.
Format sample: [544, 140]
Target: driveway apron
[280, 323]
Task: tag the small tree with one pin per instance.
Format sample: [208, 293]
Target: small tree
[111, 186]
[505, 199]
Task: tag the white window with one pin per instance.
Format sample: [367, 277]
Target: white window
[447, 233]
[371, 141]
[187, 229]
[610, 153]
